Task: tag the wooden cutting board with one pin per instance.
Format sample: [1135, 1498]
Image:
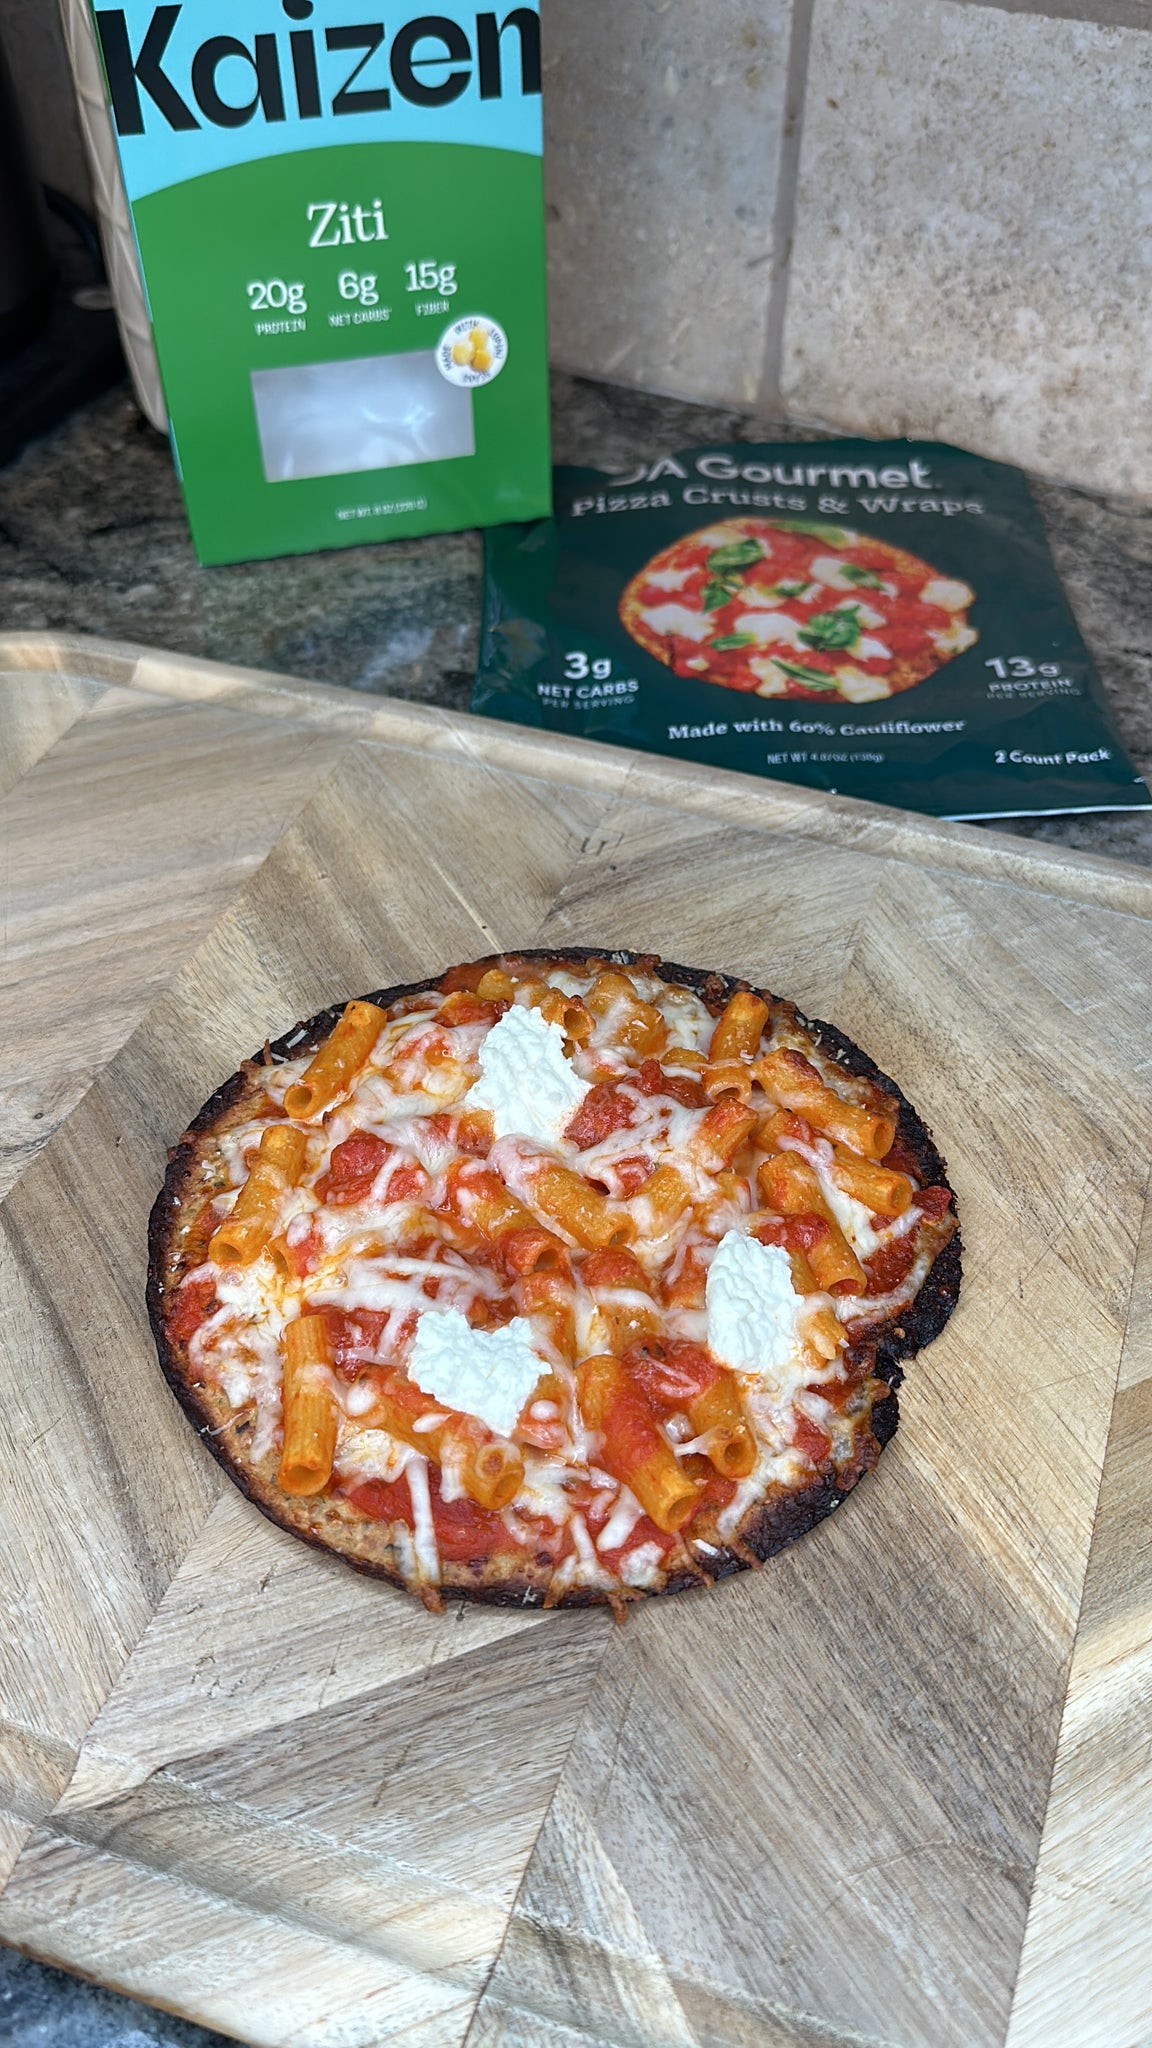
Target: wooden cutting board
[895, 1788]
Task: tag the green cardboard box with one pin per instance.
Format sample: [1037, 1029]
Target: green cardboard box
[340, 227]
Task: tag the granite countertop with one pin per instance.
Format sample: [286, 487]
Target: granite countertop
[93, 540]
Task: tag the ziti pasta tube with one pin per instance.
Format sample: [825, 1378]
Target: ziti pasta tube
[737, 1033]
[310, 1416]
[551, 1296]
[619, 1286]
[721, 1132]
[723, 1078]
[792, 1081]
[580, 1209]
[684, 1376]
[662, 1201]
[333, 1069]
[614, 1001]
[277, 1167]
[789, 1185]
[479, 1197]
[635, 1449]
[490, 1469]
[883, 1191]
[555, 1007]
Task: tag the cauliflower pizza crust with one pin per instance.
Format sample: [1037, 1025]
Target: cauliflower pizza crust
[561, 1279]
[784, 608]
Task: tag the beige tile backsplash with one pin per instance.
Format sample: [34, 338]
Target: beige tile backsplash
[664, 132]
[892, 216]
[959, 246]
[973, 241]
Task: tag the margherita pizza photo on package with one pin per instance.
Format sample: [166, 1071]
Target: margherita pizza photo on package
[784, 608]
[557, 1279]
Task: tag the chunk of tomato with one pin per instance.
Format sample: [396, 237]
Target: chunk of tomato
[630, 1175]
[353, 1167]
[812, 1442]
[604, 1110]
[891, 1264]
[351, 1331]
[653, 1079]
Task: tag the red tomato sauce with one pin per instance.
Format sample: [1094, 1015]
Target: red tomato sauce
[195, 1302]
[463, 1530]
[630, 1175]
[382, 1500]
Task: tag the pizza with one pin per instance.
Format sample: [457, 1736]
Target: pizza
[784, 608]
[558, 1279]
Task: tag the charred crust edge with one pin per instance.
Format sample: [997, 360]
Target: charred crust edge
[767, 1528]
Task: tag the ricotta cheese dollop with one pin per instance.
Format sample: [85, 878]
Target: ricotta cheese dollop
[526, 1080]
[486, 1373]
[753, 1308]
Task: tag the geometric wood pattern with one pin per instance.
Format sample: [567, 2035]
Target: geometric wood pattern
[896, 1787]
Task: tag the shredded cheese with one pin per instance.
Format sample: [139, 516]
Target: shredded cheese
[401, 1246]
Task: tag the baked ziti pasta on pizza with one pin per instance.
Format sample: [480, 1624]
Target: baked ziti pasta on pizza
[560, 1279]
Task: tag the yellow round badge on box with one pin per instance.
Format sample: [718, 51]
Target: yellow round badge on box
[472, 351]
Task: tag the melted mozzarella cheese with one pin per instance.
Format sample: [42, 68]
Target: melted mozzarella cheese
[527, 1084]
[486, 1373]
[725, 533]
[690, 1022]
[423, 1527]
[400, 1260]
[872, 650]
[253, 1294]
[676, 618]
[955, 637]
[642, 1566]
[774, 681]
[621, 1522]
[833, 573]
[859, 687]
[770, 627]
[753, 1308]
[668, 579]
[371, 1454]
[868, 618]
[949, 595]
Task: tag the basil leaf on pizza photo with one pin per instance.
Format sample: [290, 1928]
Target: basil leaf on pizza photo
[740, 554]
[828, 630]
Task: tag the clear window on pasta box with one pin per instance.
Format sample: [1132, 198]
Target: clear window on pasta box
[876, 619]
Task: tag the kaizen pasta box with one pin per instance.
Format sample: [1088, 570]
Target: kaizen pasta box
[876, 619]
[340, 226]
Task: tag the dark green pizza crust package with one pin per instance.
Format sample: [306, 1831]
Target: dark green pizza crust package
[879, 619]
